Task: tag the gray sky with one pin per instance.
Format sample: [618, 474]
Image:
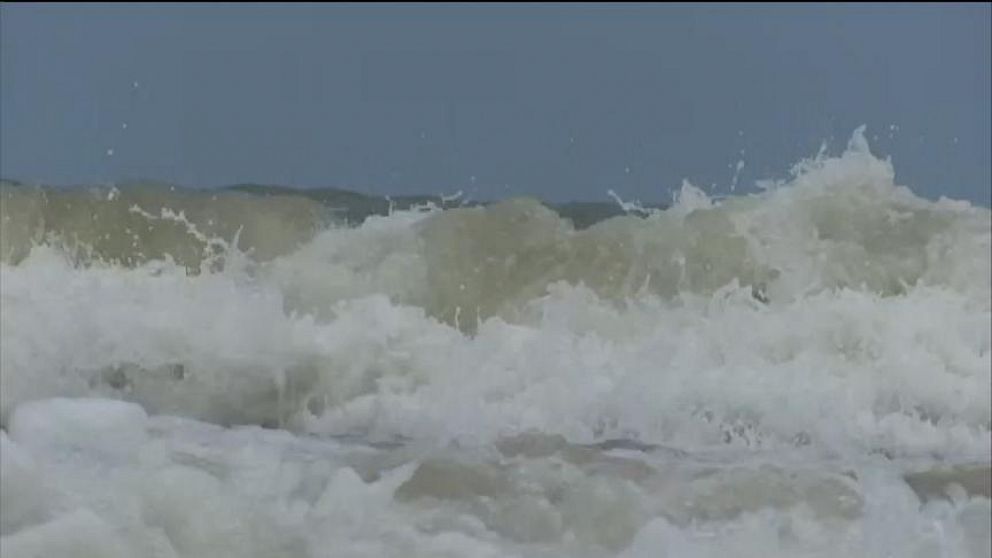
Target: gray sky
[558, 101]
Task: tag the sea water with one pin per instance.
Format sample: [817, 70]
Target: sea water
[799, 372]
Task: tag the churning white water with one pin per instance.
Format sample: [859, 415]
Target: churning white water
[802, 372]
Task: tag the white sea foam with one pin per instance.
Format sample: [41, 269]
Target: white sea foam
[776, 364]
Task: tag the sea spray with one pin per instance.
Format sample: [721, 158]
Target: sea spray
[799, 372]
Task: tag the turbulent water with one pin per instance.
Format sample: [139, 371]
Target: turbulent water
[801, 372]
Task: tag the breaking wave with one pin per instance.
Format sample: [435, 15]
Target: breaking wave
[834, 316]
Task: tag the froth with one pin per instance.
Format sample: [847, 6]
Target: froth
[518, 386]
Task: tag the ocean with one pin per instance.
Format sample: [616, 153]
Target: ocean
[259, 371]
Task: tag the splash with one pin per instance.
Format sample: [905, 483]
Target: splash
[787, 373]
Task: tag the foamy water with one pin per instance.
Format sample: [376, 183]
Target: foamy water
[803, 372]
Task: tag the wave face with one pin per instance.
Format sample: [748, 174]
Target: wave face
[791, 373]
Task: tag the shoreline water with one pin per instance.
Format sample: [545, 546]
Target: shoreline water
[799, 372]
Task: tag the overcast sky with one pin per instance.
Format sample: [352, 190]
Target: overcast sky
[558, 101]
